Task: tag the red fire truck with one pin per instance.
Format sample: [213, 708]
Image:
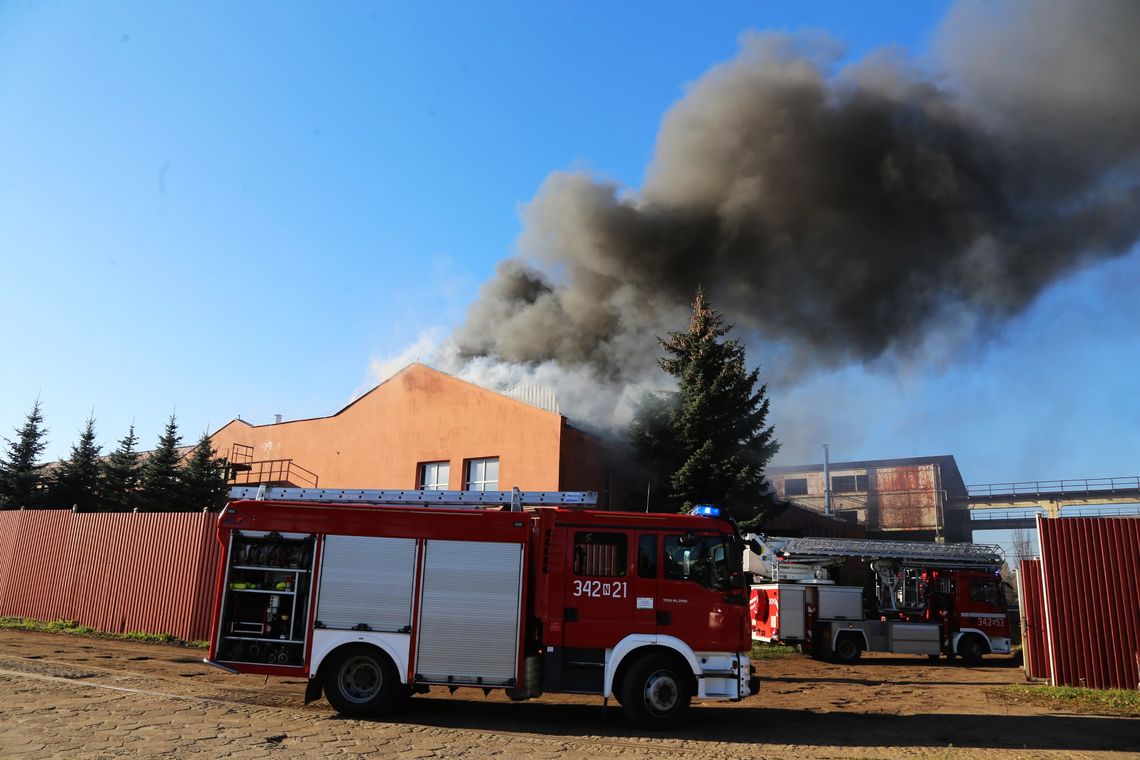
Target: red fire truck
[917, 598]
[376, 595]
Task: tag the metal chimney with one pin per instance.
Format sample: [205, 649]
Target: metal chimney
[277, 419]
[826, 482]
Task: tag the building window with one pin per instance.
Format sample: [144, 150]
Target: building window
[795, 487]
[849, 484]
[600, 554]
[434, 476]
[482, 474]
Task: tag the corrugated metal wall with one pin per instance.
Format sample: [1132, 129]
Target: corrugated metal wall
[1089, 601]
[1032, 619]
[907, 497]
[149, 572]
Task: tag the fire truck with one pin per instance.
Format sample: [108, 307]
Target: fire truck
[377, 595]
[916, 598]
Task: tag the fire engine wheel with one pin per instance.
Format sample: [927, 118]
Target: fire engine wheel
[361, 681]
[972, 649]
[848, 649]
[655, 691]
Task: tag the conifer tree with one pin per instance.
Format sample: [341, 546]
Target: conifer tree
[76, 483]
[20, 471]
[160, 488]
[203, 478]
[122, 471]
[708, 442]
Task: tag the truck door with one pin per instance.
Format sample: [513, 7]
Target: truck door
[984, 608]
[697, 602]
[599, 600]
[609, 591]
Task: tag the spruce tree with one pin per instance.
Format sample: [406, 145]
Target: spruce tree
[160, 487]
[122, 471]
[708, 442]
[20, 471]
[204, 478]
[76, 483]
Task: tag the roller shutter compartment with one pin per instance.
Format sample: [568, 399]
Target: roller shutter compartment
[367, 583]
[469, 613]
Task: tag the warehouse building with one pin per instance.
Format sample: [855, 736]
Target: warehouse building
[423, 428]
[919, 498]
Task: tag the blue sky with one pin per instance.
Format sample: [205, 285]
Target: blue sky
[218, 209]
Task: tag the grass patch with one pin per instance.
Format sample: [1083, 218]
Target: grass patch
[762, 651]
[1073, 699]
[72, 627]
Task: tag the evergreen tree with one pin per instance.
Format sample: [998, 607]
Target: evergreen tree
[708, 441]
[122, 471]
[204, 478]
[20, 472]
[76, 482]
[159, 487]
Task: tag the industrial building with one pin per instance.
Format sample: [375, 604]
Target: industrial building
[422, 428]
[918, 498]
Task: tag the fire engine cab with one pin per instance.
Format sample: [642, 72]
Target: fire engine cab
[915, 597]
[376, 595]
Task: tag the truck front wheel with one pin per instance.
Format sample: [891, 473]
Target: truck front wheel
[655, 691]
[971, 648]
[361, 681]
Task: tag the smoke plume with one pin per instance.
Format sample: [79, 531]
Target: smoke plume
[834, 214]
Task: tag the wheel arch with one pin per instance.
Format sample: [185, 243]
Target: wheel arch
[962, 633]
[395, 646]
[634, 646]
[858, 633]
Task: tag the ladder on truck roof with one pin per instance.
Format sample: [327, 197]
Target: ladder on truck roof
[514, 499]
[943, 555]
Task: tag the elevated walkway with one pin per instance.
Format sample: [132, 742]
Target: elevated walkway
[1051, 496]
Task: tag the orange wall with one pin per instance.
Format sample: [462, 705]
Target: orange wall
[418, 415]
[589, 464]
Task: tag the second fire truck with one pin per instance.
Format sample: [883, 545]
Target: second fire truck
[913, 598]
[376, 595]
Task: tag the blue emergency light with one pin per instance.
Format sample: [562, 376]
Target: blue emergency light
[705, 510]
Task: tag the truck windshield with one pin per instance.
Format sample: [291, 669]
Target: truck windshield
[703, 559]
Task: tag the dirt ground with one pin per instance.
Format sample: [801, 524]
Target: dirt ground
[86, 697]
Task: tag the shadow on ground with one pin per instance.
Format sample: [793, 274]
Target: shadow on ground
[781, 726]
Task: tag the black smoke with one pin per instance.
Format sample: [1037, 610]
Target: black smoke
[841, 214]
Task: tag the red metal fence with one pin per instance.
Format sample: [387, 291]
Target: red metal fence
[1032, 619]
[1081, 603]
[117, 572]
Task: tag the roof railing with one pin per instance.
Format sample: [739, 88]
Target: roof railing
[1072, 487]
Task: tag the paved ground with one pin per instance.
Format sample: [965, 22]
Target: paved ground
[78, 697]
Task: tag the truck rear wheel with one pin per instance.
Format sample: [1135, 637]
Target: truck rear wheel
[848, 649]
[655, 691]
[361, 681]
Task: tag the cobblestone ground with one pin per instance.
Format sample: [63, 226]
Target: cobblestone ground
[88, 698]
